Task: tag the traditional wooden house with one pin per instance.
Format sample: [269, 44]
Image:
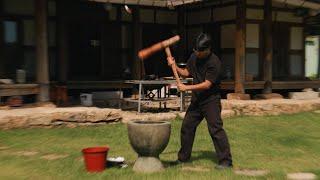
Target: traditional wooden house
[92, 44]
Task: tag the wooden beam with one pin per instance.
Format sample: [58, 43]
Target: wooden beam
[18, 89]
[268, 47]
[240, 49]
[42, 49]
[18, 92]
[98, 85]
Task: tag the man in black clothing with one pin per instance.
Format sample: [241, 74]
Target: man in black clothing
[204, 66]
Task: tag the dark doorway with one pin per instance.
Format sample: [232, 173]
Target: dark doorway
[214, 31]
[85, 52]
[84, 33]
[112, 66]
[157, 63]
[280, 62]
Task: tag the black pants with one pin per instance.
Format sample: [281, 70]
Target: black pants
[211, 111]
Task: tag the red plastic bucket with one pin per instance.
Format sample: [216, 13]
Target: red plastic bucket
[95, 158]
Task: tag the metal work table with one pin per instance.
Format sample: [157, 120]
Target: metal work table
[157, 85]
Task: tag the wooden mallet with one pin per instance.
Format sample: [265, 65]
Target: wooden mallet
[147, 52]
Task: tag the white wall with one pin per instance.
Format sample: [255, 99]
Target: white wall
[296, 38]
[312, 55]
[252, 35]
[255, 13]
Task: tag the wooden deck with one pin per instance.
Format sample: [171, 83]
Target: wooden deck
[226, 85]
[275, 85]
[26, 89]
[18, 89]
[98, 85]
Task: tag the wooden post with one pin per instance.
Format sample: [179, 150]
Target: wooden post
[42, 49]
[62, 42]
[138, 65]
[240, 53]
[268, 54]
[268, 51]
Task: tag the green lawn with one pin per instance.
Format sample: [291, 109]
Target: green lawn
[279, 144]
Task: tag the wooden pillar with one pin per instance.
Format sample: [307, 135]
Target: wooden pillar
[138, 65]
[268, 51]
[268, 54]
[240, 51]
[42, 49]
[62, 42]
[182, 33]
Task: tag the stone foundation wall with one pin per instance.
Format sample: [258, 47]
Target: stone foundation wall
[270, 107]
[52, 117]
[86, 116]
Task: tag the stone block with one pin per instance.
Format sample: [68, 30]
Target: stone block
[304, 95]
[238, 96]
[269, 96]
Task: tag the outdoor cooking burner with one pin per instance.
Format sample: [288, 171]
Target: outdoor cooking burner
[149, 139]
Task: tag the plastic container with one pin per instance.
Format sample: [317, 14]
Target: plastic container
[95, 158]
[21, 76]
[86, 99]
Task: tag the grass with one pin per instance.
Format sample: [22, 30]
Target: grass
[279, 144]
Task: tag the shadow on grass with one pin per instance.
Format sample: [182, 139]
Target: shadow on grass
[197, 155]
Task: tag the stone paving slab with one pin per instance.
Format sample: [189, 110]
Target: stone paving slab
[251, 172]
[3, 148]
[25, 153]
[51, 157]
[301, 176]
[195, 169]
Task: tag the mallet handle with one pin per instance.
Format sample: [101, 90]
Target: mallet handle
[173, 66]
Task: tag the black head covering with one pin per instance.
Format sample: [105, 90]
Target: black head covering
[202, 42]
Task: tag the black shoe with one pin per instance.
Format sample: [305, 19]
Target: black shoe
[223, 166]
[177, 162]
